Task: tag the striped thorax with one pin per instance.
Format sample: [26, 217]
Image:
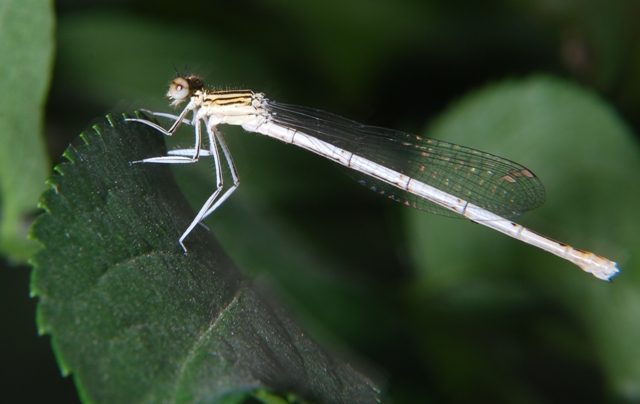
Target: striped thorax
[233, 107]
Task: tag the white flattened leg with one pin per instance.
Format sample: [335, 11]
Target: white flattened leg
[232, 167]
[213, 150]
[189, 152]
[175, 158]
[165, 115]
[178, 120]
[182, 156]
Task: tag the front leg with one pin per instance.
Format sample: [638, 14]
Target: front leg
[165, 115]
[176, 159]
[178, 120]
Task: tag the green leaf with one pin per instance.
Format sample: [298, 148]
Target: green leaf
[133, 318]
[590, 165]
[26, 46]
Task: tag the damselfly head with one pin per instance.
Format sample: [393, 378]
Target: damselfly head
[182, 88]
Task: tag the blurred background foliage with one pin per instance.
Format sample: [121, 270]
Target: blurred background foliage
[437, 309]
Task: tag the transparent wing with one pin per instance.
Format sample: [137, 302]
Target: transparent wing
[496, 184]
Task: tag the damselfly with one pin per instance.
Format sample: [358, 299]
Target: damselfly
[427, 174]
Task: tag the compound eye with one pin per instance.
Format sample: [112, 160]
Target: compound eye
[179, 90]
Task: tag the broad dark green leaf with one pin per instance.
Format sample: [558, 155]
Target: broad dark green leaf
[133, 318]
[26, 46]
